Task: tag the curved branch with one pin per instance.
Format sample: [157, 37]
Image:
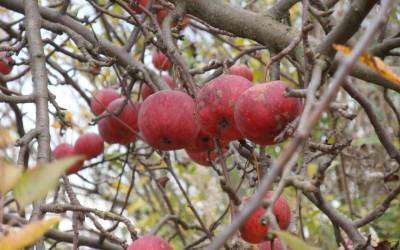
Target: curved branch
[379, 210]
[258, 27]
[384, 138]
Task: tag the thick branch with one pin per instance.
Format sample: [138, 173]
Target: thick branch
[39, 77]
[16, 99]
[383, 48]
[261, 28]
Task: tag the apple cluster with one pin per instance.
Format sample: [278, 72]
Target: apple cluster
[227, 108]
[89, 145]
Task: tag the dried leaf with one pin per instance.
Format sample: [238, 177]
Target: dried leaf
[163, 181]
[36, 182]
[373, 62]
[27, 235]
[383, 245]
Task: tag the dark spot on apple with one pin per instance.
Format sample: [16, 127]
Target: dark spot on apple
[167, 141]
[205, 138]
[223, 122]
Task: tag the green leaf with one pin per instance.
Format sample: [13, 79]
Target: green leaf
[294, 242]
[36, 182]
[8, 176]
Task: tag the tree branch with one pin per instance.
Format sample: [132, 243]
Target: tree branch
[349, 25]
[16, 99]
[384, 138]
[39, 78]
[258, 27]
[105, 46]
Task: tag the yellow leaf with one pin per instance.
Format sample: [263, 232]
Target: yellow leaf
[122, 186]
[56, 124]
[141, 168]
[238, 41]
[295, 10]
[373, 62]
[8, 176]
[331, 140]
[6, 139]
[68, 116]
[137, 56]
[293, 242]
[143, 180]
[341, 48]
[147, 221]
[311, 169]
[138, 203]
[27, 235]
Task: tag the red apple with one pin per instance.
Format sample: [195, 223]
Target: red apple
[64, 150]
[215, 105]
[167, 120]
[262, 111]
[266, 245]
[163, 13]
[241, 70]
[102, 98]
[204, 158]
[90, 145]
[146, 90]
[122, 128]
[253, 231]
[137, 10]
[6, 63]
[161, 61]
[202, 142]
[349, 243]
[150, 243]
